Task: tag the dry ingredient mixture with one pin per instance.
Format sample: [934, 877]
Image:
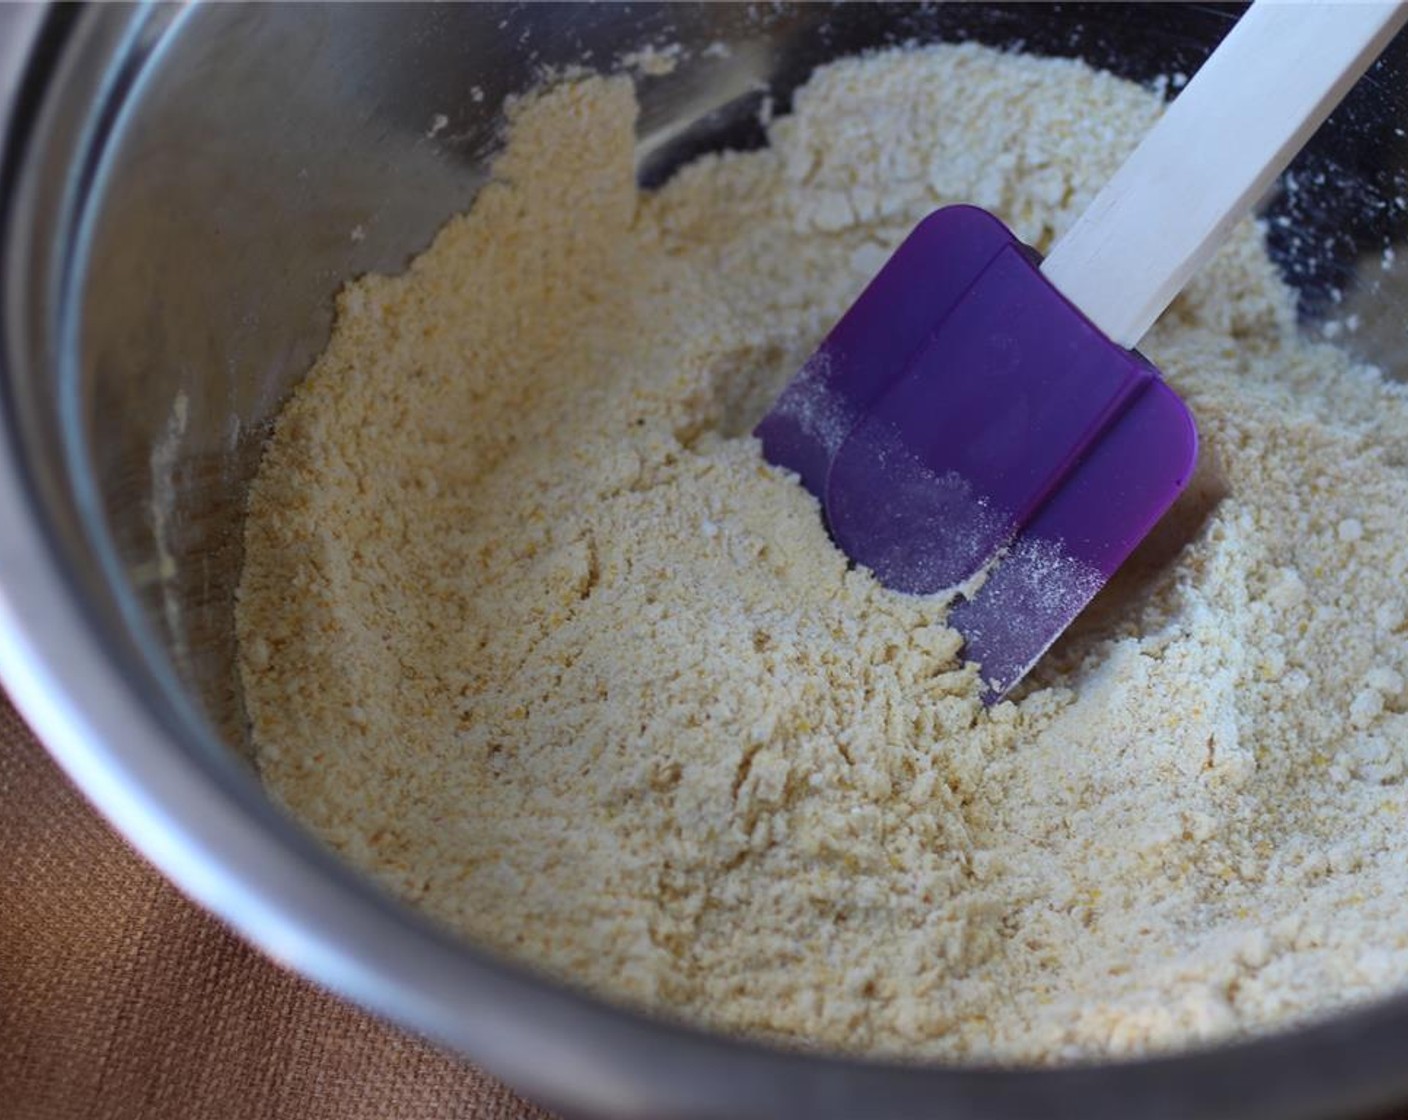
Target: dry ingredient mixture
[532, 633]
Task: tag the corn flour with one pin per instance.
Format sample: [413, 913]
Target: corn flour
[531, 632]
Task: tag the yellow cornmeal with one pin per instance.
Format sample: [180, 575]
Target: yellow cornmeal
[532, 633]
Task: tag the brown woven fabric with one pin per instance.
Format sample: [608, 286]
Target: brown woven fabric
[119, 999]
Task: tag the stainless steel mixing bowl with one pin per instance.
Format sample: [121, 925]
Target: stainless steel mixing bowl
[183, 191]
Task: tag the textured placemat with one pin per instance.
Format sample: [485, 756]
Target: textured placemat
[118, 998]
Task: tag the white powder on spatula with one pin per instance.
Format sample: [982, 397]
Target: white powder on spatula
[532, 633]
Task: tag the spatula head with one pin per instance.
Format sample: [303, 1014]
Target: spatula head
[964, 420]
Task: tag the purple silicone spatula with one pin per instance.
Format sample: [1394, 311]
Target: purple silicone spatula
[978, 419]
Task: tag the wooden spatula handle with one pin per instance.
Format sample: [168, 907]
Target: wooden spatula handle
[1250, 108]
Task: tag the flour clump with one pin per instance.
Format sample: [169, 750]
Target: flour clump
[532, 633]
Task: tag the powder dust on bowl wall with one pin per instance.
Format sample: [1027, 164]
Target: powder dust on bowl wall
[532, 633]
